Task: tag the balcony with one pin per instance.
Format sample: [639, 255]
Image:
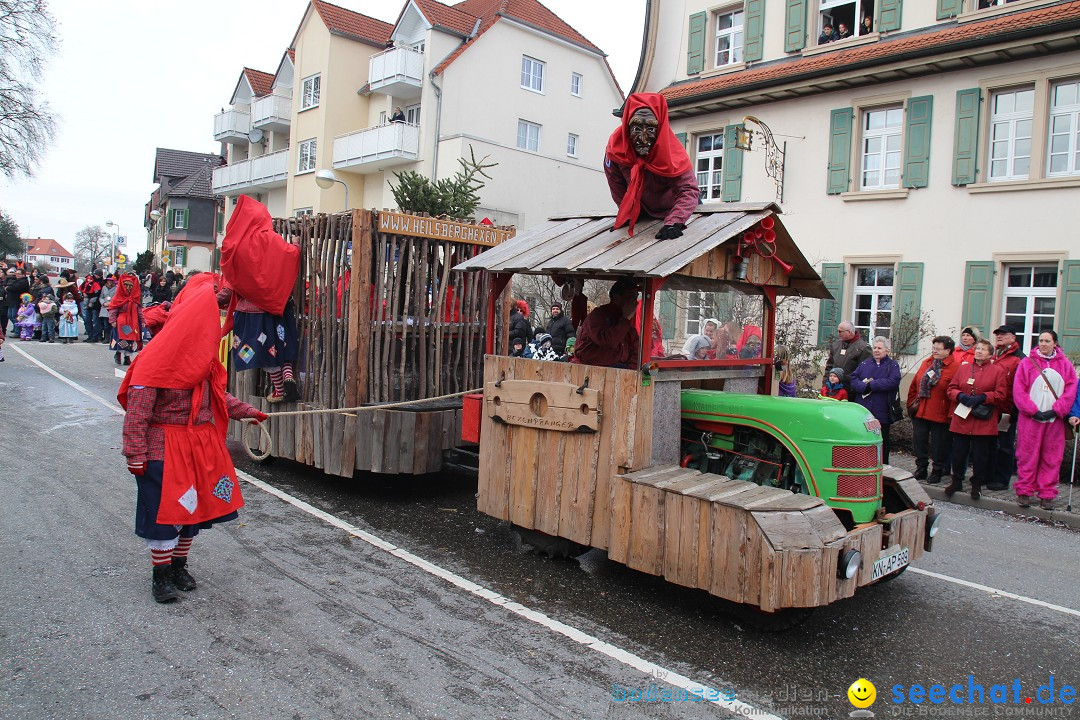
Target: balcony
[375, 148]
[259, 173]
[232, 126]
[272, 112]
[398, 71]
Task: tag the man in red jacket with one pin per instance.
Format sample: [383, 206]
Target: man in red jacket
[928, 394]
[1007, 355]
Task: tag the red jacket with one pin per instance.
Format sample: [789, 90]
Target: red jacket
[1008, 361]
[937, 407]
[607, 339]
[975, 379]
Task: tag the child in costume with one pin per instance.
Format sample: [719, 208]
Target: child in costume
[834, 385]
[174, 437]
[47, 308]
[126, 318]
[69, 319]
[26, 319]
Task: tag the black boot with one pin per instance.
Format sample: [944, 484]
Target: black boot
[975, 487]
[956, 485]
[116, 357]
[127, 359]
[292, 393]
[180, 576]
[163, 588]
[933, 479]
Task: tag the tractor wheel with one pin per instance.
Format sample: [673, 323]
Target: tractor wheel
[779, 621]
[543, 544]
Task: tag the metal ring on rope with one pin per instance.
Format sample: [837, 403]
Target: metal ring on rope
[264, 436]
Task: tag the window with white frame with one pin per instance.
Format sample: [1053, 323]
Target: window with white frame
[1029, 300]
[306, 156]
[179, 255]
[1063, 145]
[697, 309]
[532, 74]
[709, 160]
[575, 84]
[987, 4]
[729, 38]
[309, 98]
[1010, 133]
[571, 145]
[180, 219]
[880, 157]
[844, 17]
[528, 136]
[300, 212]
[412, 114]
[873, 301]
[382, 117]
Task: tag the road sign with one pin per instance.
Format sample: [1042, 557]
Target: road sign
[121, 239]
[121, 258]
[165, 257]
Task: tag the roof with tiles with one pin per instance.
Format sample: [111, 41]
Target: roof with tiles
[196, 185]
[180, 163]
[529, 12]
[261, 82]
[45, 246]
[950, 37]
[446, 17]
[354, 25]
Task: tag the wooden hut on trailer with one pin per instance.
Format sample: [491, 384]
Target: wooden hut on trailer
[381, 319]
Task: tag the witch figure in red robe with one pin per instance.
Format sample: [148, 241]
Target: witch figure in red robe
[126, 319]
[647, 168]
[174, 436]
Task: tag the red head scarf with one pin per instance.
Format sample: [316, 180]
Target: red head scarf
[126, 302]
[667, 158]
[256, 261]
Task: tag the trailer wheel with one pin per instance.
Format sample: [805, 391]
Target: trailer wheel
[543, 544]
[779, 621]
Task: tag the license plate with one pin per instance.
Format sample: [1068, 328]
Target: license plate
[896, 559]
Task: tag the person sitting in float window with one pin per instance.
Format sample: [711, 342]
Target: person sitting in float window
[608, 337]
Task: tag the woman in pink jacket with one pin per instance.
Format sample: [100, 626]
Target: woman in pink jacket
[1044, 389]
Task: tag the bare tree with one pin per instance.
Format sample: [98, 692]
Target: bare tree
[43, 266]
[907, 331]
[539, 291]
[27, 125]
[91, 247]
[796, 331]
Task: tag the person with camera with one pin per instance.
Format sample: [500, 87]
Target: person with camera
[977, 388]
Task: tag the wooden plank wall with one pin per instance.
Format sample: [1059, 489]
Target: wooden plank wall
[562, 483]
[380, 318]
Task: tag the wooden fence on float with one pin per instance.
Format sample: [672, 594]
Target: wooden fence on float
[380, 319]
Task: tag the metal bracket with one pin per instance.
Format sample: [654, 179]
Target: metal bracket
[581, 390]
[502, 376]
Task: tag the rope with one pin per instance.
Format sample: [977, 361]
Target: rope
[265, 434]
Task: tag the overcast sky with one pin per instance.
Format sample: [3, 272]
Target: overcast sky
[133, 76]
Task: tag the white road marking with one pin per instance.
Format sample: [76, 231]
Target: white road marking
[119, 373]
[659, 674]
[995, 591]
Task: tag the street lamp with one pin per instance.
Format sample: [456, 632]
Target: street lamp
[326, 179]
[155, 215]
[774, 155]
[116, 239]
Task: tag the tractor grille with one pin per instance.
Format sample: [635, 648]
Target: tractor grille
[857, 486]
[861, 456]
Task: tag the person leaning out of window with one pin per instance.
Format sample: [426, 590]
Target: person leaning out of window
[874, 384]
[977, 388]
[827, 35]
[929, 408]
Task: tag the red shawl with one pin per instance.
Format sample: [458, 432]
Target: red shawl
[126, 302]
[255, 260]
[667, 158]
[184, 354]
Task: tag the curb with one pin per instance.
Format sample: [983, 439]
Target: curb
[1009, 507]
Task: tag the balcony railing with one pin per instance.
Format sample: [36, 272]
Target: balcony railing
[391, 144]
[272, 112]
[397, 71]
[263, 172]
[232, 126]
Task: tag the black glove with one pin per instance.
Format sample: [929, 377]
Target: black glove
[977, 400]
[1045, 415]
[670, 232]
[964, 399]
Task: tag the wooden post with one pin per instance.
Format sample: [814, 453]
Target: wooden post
[356, 385]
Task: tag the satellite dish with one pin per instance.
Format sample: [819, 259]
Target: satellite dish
[255, 136]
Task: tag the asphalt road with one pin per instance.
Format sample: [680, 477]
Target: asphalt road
[298, 617]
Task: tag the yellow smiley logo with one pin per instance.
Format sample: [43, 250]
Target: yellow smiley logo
[862, 693]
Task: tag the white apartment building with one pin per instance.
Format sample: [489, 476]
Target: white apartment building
[931, 158]
[506, 78]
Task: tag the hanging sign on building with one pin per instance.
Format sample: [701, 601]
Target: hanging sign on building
[401, 224]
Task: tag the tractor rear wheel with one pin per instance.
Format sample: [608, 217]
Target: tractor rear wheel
[778, 621]
[544, 544]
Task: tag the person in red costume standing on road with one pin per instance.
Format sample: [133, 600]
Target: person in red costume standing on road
[647, 168]
[174, 436]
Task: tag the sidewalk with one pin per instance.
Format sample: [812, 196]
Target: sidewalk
[1001, 500]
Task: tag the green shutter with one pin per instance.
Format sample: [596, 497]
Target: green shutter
[888, 16]
[832, 274]
[966, 137]
[731, 180]
[1069, 324]
[695, 44]
[667, 313]
[978, 294]
[839, 150]
[172, 219]
[754, 30]
[681, 137]
[220, 221]
[917, 142]
[795, 26]
[909, 278]
[948, 8]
